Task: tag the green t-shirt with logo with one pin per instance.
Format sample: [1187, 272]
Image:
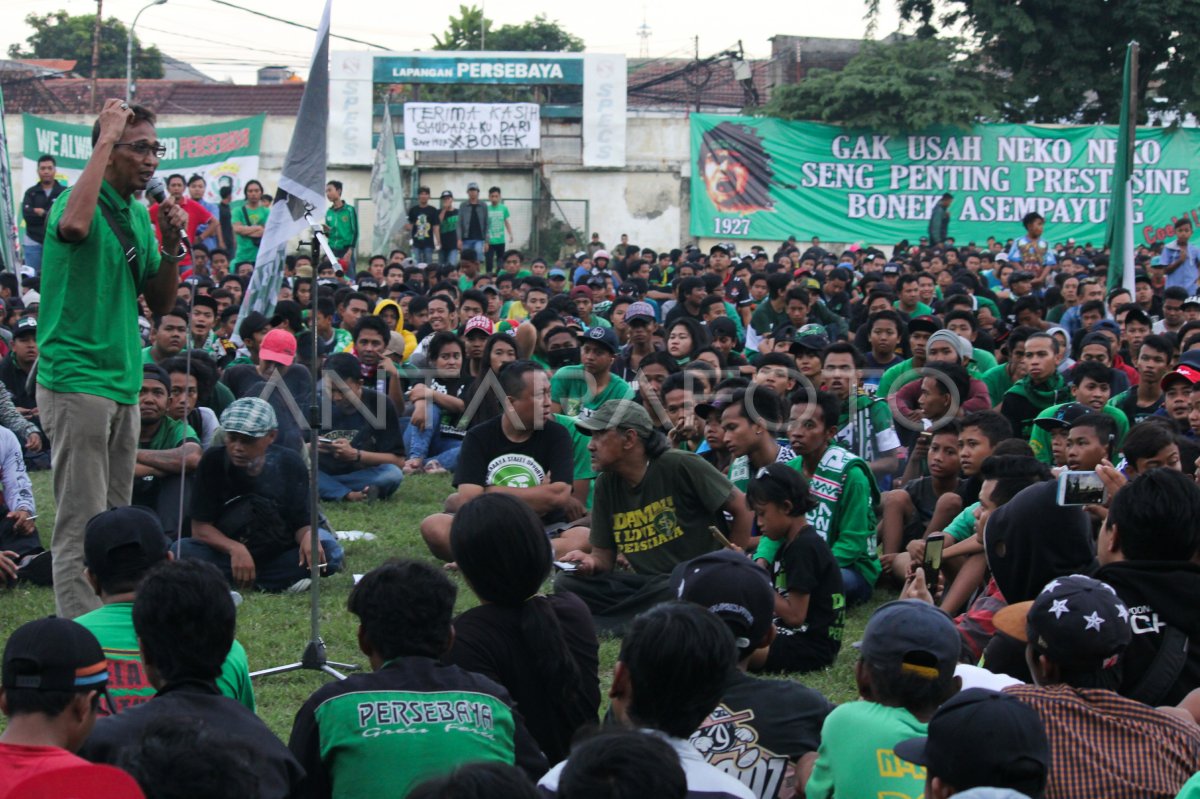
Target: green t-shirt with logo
[127, 684]
[242, 214]
[497, 214]
[573, 391]
[88, 337]
[664, 520]
[856, 757]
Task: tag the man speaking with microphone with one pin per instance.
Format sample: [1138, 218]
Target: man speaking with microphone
[100, 254]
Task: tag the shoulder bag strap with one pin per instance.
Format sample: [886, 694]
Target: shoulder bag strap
[130, 250]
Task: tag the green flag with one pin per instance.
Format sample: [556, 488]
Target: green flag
[8, 219]
[386, 188]
[1118, 234]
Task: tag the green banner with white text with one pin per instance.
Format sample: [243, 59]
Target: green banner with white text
[224, 153]
[767, 179]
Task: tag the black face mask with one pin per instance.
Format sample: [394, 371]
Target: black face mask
[568, 356]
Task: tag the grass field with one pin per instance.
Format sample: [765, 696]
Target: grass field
[274, 628]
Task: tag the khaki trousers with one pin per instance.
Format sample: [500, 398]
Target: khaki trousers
[93, 450]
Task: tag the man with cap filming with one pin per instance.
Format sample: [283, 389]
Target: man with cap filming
[120, 547]
[53, 677]
[654, 505]
[250, 514]
[1076, 632]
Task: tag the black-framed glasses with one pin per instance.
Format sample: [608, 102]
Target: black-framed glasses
[144, 148]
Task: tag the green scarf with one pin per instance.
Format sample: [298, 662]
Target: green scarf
[1043, 395]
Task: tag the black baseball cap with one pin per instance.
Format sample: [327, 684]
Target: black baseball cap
[929, 324]
[123, 542]
[912, 636]
[54, 654]
[1076, 620]
[811, 337]
[1064, 417]
[730, 586]
[982, 738]
[605, 337]
[26, 326]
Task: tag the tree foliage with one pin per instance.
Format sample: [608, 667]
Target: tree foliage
[540, 34]
[1062, 60]
[60, 35]
[892, 87]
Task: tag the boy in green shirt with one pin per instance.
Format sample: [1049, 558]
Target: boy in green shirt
[249, 221]
[499, 229]
[341, 225]
[120, 546]
[904, 672]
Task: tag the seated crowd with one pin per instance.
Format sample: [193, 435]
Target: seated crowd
[712, 458]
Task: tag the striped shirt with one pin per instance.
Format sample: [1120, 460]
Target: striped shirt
[1105, 745]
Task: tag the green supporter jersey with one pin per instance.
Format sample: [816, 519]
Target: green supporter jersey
[382, 733]
[765, 318]
[856, 758]
[88, 338]
[845, 515]
[580, 454]
[573, 390]
[171, 433]
[962, 526]
[343, 226]
[242, 214]
[981, 362]
[1040, 439]
[921, 310]
[496, 216]
[127, 683]
[998, 381]
[891, 375]
[664, 520]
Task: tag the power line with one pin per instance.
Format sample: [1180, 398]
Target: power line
[236, 46]
[296, 24]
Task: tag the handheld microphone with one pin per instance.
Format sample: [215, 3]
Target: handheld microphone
[156, 190]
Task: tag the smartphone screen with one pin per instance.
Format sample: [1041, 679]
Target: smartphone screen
[933, 560]
[1080, 488]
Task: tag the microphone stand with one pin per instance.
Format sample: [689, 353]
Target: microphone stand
[314, 657]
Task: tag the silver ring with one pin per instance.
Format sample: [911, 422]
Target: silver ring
[124, 106]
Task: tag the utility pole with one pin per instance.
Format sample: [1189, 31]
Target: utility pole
[96, 50]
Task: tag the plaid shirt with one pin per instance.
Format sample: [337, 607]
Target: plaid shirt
[1105, 745]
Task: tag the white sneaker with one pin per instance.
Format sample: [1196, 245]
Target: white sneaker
[300, 586]
[236, 597]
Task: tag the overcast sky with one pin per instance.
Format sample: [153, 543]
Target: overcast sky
[227, 43]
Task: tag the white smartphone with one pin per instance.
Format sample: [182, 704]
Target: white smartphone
[1081, 488]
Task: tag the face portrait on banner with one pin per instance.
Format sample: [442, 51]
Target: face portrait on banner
[736, 169]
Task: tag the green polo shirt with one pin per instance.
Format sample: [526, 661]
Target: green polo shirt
[571, 390]
[343, 226]
[88, 335]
